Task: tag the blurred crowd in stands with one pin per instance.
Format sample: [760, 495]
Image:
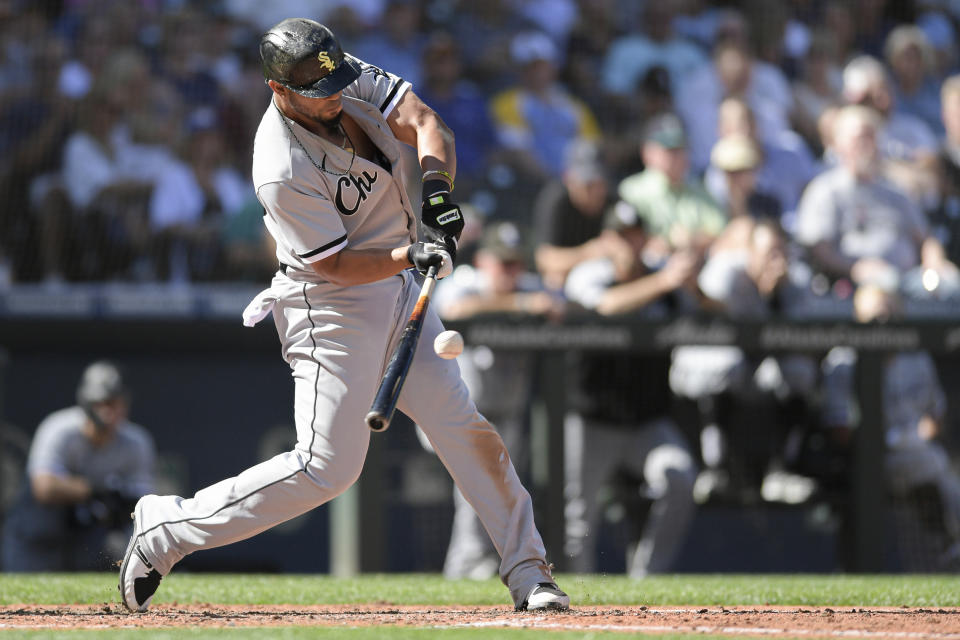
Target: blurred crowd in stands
[752, 158]
[127, 128]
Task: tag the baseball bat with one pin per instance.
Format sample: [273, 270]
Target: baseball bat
[385, 401]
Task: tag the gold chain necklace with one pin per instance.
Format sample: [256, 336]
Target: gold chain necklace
[322, 166]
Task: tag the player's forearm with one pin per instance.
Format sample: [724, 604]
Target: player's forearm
[360, 266]
[48, 488]
[416, 124]
[551, 259]
[436, 146]
[634, 295]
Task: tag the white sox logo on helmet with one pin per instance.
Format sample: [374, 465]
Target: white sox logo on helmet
[325, 61]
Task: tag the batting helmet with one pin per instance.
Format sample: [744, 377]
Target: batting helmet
[305, 57]
[101, 381]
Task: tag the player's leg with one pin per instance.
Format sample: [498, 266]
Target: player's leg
[590, 455]
[436, 398]
[332, 394]
[662, 458]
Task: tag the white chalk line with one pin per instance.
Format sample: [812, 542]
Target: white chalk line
[541, 623]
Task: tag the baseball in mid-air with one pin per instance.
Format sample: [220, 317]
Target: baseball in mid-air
[448, 344]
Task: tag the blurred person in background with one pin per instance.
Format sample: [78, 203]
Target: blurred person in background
[678, 212]
[857, 227]
[461, 105]
[652, 43]
[556, 18]
[485, 32]
[34, 124]
[732, 72]
[598, 24]
[183, 61]
[785, 164]
[941, 33]
[88, 464]
[754, 409]
[732, 180]
[92, 48]
[625, 127]
[945, 216]
[191, 203]
[619, 420]
[906, 143]
[537, 118]
[917, 467]
[396, 41]
[568, 217]
[500, 380]
[873, 20]
[915, 89]
[104, 218]
[839, 19]
[818, 87]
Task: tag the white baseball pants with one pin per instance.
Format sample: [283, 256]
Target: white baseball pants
[337, 342]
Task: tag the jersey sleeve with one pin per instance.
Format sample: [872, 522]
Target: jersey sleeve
[308, 222]
[375, 86]
[48, 451]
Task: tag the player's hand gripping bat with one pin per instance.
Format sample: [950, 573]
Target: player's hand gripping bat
[385, 401]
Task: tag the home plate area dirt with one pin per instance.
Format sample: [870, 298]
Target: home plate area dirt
[812, 622]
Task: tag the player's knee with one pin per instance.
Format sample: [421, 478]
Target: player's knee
[334, 476]
[670, 469]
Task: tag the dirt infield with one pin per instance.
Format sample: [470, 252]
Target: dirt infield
[760, 621]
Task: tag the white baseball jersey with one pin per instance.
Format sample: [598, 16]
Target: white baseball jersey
[314, 212]
[337, 341]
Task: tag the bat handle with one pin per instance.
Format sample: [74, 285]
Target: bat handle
[377, 422]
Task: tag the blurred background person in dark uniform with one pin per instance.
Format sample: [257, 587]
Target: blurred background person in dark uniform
[88, 465]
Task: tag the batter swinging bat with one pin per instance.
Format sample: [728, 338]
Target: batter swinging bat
[385, 401]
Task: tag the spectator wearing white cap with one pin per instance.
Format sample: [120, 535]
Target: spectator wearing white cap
[537, 118]
[784, 164]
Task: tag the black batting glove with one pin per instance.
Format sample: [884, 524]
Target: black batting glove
[441, 217]
[424, 255]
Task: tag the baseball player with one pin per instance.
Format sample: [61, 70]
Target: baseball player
[87, 467]
[327, 167]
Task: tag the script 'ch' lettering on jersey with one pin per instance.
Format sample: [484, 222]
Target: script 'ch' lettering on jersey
[363, 185]
[325, 61]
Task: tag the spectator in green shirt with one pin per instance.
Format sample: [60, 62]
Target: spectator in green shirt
[678, 212]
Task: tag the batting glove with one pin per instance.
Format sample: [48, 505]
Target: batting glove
[424, 255]
[441, 217]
